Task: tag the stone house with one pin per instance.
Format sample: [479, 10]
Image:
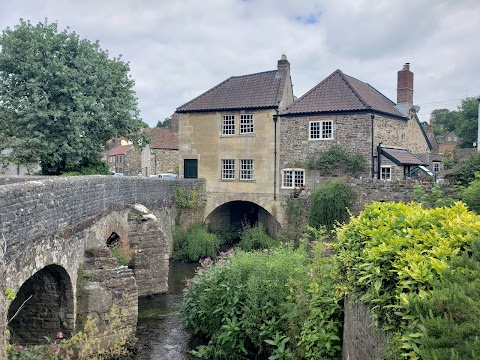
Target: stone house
[161, 155]
[228, 135]
[125, 159]
[346, 112]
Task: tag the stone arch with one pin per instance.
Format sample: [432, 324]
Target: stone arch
[235, 213]
[44, 305]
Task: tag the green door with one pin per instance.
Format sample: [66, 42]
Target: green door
[190, 168]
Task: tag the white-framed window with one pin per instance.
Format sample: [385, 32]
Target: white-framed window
[386, 172]
[246, 124]
[293, 178]
[246, 169]
[436, 167]
[228, 124]
[228, 169]
[320, 130]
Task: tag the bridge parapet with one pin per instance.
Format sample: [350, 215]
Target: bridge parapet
[47, 205]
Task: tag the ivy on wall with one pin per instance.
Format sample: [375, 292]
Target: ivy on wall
[187, 198]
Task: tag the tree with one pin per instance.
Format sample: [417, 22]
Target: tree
[62, 98]
[463, 121]
[165, 123]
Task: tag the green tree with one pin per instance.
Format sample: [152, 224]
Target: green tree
[463, 121]
[62, 98]
[165, 123]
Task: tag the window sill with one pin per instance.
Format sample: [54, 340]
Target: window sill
[237, 135]
[310, 139]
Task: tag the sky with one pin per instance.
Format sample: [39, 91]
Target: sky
[180, 49]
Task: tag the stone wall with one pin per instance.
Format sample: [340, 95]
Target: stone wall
[351, 131]
[362, 340]
[3, 315]
[105, 286]
[53, 220]
[162, 161]
[132, 165]
[153, 245]
[60, 204]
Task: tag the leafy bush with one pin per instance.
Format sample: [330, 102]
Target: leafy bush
[436, 198]
[91, 343]
[256, 238]
[194, 243]
[393, 253]
[471, 194]
[226, 235]
[464, 172]
[335, 158]
[450, 314]
[242, 301]
[330, 203]
[321, 332]
[264, 304]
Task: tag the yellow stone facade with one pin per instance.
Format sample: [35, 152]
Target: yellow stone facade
[201, 138]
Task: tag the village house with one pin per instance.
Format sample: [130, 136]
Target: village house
[228, 136]
[250, 139]
[161, 155]
[346, 112]
[124, 159]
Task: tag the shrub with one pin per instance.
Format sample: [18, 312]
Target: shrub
[256, 238]
[270, 303]
[91, 343]
[330, 203]
[242, 302]
[392, 254]
[436, 198]
[194, 243]
[471, 194]
[335, 158]
[464, 172]
[450, 314]
[226, 235]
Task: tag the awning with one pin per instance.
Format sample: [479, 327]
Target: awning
[401, 156]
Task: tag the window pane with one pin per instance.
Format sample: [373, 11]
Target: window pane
[228, 125]
[327, 132]
[299, 178]
[287, 179]
[315, 130]
[246, 169]
[228, 169]
[246, 124]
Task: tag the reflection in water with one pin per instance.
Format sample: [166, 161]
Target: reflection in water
[160, 332]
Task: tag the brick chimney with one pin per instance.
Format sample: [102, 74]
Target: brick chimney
[405, 86]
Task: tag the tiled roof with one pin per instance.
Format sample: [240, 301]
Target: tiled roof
[260, 90]
[163, 138]
[402, 156]
[340, 92]
[120, 150]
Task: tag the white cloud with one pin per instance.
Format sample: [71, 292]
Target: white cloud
[179, 49]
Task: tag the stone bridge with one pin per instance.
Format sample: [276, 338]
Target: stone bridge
[57, 235]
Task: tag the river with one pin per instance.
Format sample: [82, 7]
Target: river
[159, 331]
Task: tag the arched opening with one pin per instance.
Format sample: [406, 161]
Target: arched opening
[43, 306]
[113, 239]
[236, 214]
